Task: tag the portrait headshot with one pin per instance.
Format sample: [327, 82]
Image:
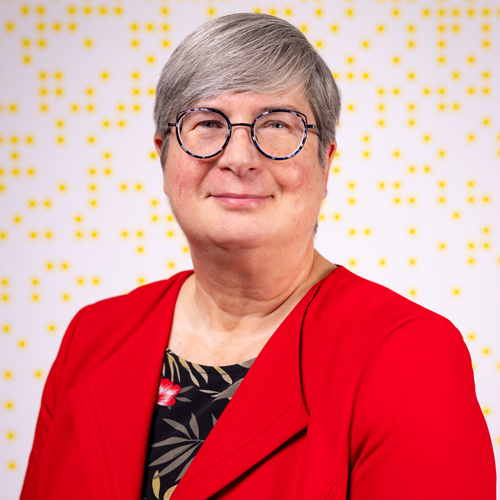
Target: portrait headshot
[249, 250]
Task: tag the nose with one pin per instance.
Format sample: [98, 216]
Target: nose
[240, 155]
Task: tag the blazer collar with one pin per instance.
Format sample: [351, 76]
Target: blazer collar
[112, 410]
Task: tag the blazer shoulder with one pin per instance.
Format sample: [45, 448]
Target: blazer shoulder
[100, 329]
[350, 295]
[350, 313]
[133, 305]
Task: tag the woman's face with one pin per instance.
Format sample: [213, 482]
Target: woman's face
[240, 198]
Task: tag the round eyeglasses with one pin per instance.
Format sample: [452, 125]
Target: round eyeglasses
[277, 134]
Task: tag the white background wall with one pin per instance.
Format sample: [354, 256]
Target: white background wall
[414, 190]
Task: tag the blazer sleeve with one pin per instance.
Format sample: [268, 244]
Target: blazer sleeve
[51, 397]
[417, 430]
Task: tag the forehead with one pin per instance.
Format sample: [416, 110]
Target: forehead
[250, 103]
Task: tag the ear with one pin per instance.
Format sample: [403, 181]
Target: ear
[329, 154]
[158, 140]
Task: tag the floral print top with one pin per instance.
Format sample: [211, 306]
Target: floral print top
[191, 398]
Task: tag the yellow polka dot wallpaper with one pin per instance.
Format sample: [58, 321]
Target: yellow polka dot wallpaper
[414, 188]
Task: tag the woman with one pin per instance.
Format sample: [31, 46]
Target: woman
[338, 387]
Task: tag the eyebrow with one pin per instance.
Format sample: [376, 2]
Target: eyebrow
[260, 110]
[278, 106]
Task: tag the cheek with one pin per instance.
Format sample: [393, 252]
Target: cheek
[180, 178]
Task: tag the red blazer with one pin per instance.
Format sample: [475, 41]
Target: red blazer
[359, 394]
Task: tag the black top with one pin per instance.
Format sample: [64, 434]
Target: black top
[191, 399]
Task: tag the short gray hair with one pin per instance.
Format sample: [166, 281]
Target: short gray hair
[246, 53]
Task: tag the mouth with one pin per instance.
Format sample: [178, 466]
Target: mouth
[240, 199]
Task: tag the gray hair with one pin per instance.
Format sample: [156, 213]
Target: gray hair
[246, 53]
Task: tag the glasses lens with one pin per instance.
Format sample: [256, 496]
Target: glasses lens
[202, 133]
[279, 134]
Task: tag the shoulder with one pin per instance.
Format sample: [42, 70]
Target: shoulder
[99, 329]
[355, 316]
[346, 297]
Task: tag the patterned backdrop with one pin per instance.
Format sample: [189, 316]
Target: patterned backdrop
[414, 188]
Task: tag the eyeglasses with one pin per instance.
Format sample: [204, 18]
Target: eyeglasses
[278, 134]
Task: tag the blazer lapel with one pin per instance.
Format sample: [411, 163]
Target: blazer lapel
[258, 419]
[112, 407]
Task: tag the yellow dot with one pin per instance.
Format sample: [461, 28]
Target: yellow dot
[171, 264]
[62, 187]
[486, 411]
[22, 343]
[10, 435]
[442, 245]
[64, 266]
[118, 11]
[95, 281]
[11, 465]
[334, 28]
[456, 291]
[140, 249]
[65, 296]
[88, 43]
[8, 374]
[51, 328]
[38, 374]
[211, 12]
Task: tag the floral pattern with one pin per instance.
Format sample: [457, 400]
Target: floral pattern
[191, 398]
[166, 392]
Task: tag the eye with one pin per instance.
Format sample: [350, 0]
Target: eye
[209, 124]
[277, 125]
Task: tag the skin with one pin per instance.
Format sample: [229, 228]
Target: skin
[249, 221]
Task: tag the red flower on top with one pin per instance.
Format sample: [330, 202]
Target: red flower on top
[166, 392]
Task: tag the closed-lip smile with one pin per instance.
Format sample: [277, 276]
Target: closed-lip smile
[239, 196]
[240, 200]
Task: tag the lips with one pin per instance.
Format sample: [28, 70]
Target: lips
[239, 196]
[240, 200]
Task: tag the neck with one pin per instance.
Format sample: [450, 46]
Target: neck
[236, 299]
[234, 289]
